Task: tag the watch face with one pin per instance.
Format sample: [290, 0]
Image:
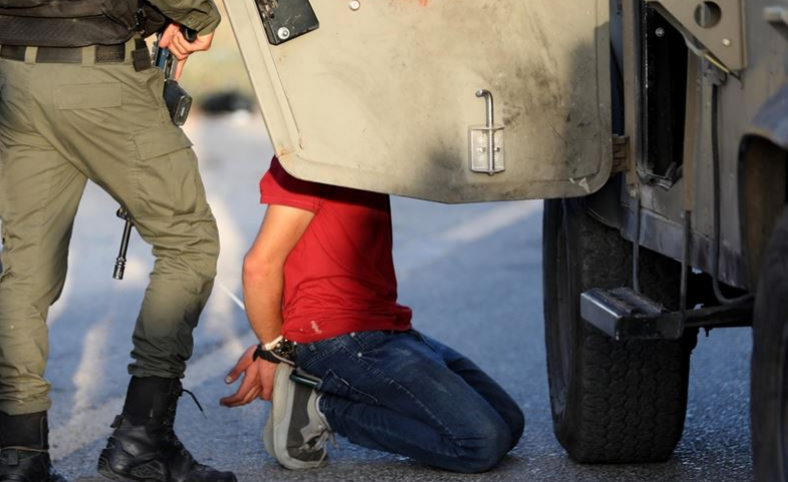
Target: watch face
[285, 349]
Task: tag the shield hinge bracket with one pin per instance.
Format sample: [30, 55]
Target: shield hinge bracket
[286, 20]
[485, 143]
[620, 154]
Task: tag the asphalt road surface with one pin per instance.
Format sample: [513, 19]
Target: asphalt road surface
[471, 273]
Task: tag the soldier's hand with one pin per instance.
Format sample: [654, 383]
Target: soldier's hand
[179, 68]
[173, 39]
[166, 40]
[258, 380]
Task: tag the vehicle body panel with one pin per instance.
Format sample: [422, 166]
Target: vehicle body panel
[742, 95]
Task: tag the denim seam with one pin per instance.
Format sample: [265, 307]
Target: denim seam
[331, 373]
[394, 434]
[391, 381]
[318, 357]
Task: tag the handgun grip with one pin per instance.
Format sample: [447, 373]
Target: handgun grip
[189, 34]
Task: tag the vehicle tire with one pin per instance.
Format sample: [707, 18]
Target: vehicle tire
[612, 401]
[769, 380]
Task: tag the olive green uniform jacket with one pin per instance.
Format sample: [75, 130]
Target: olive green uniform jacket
[199, 15]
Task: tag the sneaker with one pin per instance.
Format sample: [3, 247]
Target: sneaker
[268, 434]
[300, 431]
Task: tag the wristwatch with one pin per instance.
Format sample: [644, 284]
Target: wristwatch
[280, 350]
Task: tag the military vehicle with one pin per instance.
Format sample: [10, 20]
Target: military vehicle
[655, 130]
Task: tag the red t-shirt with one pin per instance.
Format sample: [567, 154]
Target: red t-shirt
[340, 277]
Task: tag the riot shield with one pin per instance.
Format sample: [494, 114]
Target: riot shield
[445, 100]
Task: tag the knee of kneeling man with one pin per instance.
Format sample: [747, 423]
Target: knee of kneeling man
[487, 448]
[517, 426]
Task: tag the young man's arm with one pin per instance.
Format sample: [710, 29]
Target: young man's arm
[263, 281]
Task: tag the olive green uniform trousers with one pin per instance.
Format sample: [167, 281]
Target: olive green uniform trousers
[60, 126]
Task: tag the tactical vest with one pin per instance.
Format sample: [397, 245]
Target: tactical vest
[75, 23]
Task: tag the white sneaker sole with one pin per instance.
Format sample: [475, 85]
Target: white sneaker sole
[282, 412]
[268, 434]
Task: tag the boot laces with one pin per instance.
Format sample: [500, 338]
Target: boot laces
[169, 426]
[196, 402]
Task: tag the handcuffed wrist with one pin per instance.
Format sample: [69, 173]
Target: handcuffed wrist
[272, 344]
[280, 350]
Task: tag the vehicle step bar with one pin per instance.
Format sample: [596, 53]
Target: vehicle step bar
[623, 314]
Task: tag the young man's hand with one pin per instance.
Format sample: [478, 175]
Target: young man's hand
[258, 380]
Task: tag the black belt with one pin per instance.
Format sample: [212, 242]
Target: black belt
[105, 54]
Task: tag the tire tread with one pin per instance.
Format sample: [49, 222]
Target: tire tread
[631, 403]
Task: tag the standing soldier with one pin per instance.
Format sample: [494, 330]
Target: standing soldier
[79, 100]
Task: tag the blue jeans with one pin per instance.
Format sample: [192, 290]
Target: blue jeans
[408, 394]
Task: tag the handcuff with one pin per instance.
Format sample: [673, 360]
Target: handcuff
[280, 350]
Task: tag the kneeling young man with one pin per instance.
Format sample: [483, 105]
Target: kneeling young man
[321, 293]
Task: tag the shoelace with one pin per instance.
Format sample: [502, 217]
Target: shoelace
[196, 402]
[319, 442]
[170, 433]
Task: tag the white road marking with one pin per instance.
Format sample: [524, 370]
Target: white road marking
[94, 424]
[136, 274]
[57, 310]
[90, 373]
[233, 296]
[83, 429]
[492, 221]
[215, 365]
[416, 255]
[219, 315]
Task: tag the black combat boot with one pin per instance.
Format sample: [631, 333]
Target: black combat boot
[144, 447]
[24, 445]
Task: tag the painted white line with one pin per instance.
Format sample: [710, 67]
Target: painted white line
[91, 425]
[233, 297]
[219, 313]
[57, 310]
[136, 274]
[83, 429]
[215, 365]
[416, 255]
[492, 221]
[90, 373]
